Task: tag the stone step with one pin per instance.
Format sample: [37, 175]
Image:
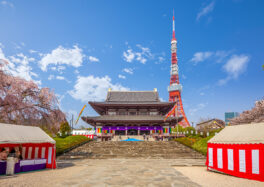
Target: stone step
[144, 149]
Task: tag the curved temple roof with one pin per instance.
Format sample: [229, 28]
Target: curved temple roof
[132, 99]
[132, 96]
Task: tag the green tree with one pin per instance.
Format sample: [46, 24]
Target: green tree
[65, 129]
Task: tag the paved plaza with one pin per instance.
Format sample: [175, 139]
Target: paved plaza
[106, 172]
[99, 164]
[127, 172]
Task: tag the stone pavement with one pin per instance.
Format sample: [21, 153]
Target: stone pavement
[116, 164]
[131, 172]
[107, 172]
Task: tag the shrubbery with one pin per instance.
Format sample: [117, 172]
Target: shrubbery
[63, 144]
[196, 141]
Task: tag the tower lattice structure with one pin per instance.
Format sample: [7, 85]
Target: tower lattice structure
[175, 87]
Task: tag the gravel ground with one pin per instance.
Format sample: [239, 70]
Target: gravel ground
[205, 178]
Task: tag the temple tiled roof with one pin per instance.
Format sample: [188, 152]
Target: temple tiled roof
[129, 118]
[132, 96]
[132, 99]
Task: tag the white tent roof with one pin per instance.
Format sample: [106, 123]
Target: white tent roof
[240, 134]
[23, 134]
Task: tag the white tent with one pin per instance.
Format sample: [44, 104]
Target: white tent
[240, 134]
[35, 143]
[23, 134]
[238, 150]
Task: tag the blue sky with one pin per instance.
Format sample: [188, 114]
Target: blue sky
[80, 48]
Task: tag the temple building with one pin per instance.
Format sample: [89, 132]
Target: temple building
[126, 113]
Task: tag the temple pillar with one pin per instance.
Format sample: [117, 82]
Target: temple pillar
[138, 132]
[126, 132]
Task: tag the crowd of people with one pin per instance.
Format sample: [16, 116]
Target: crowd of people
[15, 152]
[11, 156]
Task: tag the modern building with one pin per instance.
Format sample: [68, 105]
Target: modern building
[132, 113]
[229, 116]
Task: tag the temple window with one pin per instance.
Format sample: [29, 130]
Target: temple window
[111, 113]
[122, 112]
[143, 113]
[132, 113]
[153, 113]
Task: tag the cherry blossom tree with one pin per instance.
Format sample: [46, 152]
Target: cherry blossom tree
[23, 102]
[255, 115]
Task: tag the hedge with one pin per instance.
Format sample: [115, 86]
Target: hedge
[197, 143]
[63, 144]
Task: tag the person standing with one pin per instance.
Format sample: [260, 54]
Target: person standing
[3, 154]
[10, 163]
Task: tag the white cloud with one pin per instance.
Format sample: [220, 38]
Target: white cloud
[162, 100]
[1, 45]
[218, 56]
[18, 65]
[92, 88]
[205, 10]
[60, 69]
[161, 59]
[51, 77]
[201, 56]
[197, 108]
[93, 59]
[72, 57]
[141, 56]
[76, 72]
[7, 3]
[121, 76]
[128, 55]
[60, 77]
[32, 51]
[128, 70]
[235, 66]
[2, 55]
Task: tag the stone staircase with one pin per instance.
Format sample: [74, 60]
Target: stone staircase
[122, 149]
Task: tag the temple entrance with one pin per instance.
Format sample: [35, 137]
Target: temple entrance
[146, 132]
[120, 132]
[132, 132]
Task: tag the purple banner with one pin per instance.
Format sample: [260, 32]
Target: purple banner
[133, 127]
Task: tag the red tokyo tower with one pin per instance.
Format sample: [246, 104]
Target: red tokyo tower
[175, 87]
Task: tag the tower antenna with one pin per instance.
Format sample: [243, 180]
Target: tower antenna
[175, 87]
[173, 26]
